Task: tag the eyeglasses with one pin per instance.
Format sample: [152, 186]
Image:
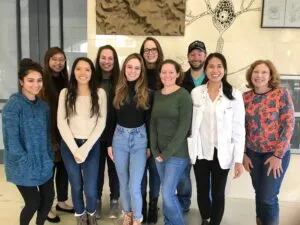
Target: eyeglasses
[150, 50]
[61, 60]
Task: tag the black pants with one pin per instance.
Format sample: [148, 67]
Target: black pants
[61, 181]
[112, 174]
[209, 175]
[38, 198]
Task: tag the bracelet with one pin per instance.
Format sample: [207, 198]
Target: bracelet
[277, 157]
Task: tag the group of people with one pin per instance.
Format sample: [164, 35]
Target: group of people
[147, 117]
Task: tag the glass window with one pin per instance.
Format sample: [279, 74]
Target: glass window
[75, 29]
[9, 55]
[54, 23]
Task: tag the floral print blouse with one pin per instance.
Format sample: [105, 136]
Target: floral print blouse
[269, 121]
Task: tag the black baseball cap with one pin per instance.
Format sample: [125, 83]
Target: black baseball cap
[197, 45]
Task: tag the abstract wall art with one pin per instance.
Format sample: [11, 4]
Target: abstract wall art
[141, 17]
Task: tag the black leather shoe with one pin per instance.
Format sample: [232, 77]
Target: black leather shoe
[56, 219]
[58, 208]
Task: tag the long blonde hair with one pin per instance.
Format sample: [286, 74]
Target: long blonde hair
[141, 87]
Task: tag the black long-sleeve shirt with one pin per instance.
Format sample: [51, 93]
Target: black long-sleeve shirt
[128, 115]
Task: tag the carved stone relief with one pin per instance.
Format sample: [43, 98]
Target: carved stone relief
[141, 17]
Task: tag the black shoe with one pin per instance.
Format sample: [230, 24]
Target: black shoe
[153, 211]
[58, 208]
[56, 219]
[205, 222]
[144, 209]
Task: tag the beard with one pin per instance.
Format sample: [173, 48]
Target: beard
[196, 68]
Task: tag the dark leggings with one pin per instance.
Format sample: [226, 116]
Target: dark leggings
[61, 181]
[210, 176]
[38, 198]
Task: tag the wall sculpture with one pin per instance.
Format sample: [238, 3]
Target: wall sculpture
[141, 17]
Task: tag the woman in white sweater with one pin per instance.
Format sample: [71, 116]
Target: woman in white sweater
[81, 119]
[218, 137]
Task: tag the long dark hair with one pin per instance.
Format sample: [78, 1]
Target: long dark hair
[116, 67]
[71, 97]
[50, 92]
[160, 54]
[227, 88]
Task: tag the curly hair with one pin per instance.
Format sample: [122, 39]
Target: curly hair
[141, 90]
[274, 82]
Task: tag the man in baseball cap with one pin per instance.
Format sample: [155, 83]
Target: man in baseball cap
[193, 77]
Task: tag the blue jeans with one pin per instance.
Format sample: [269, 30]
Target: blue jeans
[170, 171]
[129, 150]
[266, 187]
[82, 177]
[184, 189]
[154, 181]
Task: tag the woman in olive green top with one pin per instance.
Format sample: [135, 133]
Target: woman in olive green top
[170, 122]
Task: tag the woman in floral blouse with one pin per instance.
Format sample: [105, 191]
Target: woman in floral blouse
[269, 128]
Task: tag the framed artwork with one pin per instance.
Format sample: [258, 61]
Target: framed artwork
[280, 14]
[292, 83]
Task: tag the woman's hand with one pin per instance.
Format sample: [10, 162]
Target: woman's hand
[77, 158]
[159, 159]
[110, 153]
[247, 163]
[274, 166]
[238, 170]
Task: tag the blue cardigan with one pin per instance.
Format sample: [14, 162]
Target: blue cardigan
[28, 155]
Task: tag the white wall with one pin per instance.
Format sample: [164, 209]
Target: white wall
[244, 42]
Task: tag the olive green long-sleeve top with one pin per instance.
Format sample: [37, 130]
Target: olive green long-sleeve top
[170, 123]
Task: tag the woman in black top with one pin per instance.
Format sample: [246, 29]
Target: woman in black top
[130, 114]
[107, 73]
[153, 56]
[55, 79]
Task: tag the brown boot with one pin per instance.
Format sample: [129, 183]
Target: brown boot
[258, 221]
[128, 218]
[92, 219]
[82, 220]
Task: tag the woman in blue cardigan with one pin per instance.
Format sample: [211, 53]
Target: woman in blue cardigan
[28, 156]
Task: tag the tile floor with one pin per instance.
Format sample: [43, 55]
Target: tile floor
[237, 212]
